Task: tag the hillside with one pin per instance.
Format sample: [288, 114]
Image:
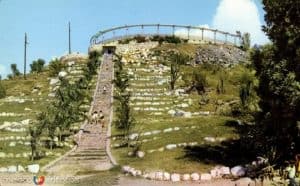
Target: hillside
[178, 131]
[19, 109]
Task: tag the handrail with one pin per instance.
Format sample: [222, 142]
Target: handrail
[94, 39]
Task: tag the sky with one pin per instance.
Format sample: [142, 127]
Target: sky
[46, 22]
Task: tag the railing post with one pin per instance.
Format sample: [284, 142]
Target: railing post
[157, 29]
[215, 33]
[173, 27]
[126, 34]
[234, 40]
[202, 29]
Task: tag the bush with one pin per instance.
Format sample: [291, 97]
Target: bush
[172, 39]
[37, 66]
[14, 70]
[55, 66]
[168, 39]
[2, 91]
[140, 39]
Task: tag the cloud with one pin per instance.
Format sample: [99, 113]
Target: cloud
[3, 71]
[241, 15]
[194, 32]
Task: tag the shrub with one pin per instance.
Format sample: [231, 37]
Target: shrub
[246, 41]
[172, 39]
[55, 66]
[2, 91]
[140, 39]
[14, 70]
[37, 66]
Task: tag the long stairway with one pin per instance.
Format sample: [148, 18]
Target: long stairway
[91, 153]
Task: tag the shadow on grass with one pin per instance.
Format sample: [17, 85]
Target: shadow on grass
[229, 153]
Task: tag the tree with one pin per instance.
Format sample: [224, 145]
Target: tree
[246, 41]
[246, 89]
[278, 70]
[37, 66]
[2, 89]
[14, 70]
[195, 80]
[35, 131]
[177, 59]
[55, 66]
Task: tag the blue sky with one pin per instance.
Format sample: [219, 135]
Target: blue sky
[46, 21]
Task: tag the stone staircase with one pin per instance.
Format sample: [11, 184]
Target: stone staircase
[91, 153]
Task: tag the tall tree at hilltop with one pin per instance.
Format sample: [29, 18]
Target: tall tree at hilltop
[278, 70]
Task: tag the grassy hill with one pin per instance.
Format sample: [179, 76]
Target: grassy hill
[24, 100]
[172, 125]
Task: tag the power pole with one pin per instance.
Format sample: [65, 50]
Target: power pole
[69, 38]
[25, 53]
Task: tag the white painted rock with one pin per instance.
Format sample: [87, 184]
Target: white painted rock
[205, 177]
[33, 168]
[167, 176]
[195, 176]
[238, 171]
[125, 169]
[138, 172]
[12, 169]
[171, 146]
[21, 168]
[210, 139]
[224, 170]
[133, 136]
[62, 74]
[175, 177]
[147, 133]
[168, 130]
[3, 169]
[152, 175]
[159, 176]
[132, 171]
[140, 154]
[187, 114]
[172, 112]
[12, 144]
[215, 173]
[184, 105]
[186, 177]
[2, 155]
[54, 81]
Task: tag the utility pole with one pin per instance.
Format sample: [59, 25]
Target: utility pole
[25, 53]
[69, 38]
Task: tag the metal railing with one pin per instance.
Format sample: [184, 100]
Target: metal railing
[190, 32]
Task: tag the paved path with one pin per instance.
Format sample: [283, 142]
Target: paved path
[90, 154]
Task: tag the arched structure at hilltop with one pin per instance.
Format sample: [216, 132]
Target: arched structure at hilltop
[186, 32]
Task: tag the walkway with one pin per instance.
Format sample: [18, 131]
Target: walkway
[91, 154]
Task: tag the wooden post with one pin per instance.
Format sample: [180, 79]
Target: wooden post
[189, 32]
[69, 37]
[157, 29]
[202, 29]
[25, 54]
[142, 29]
